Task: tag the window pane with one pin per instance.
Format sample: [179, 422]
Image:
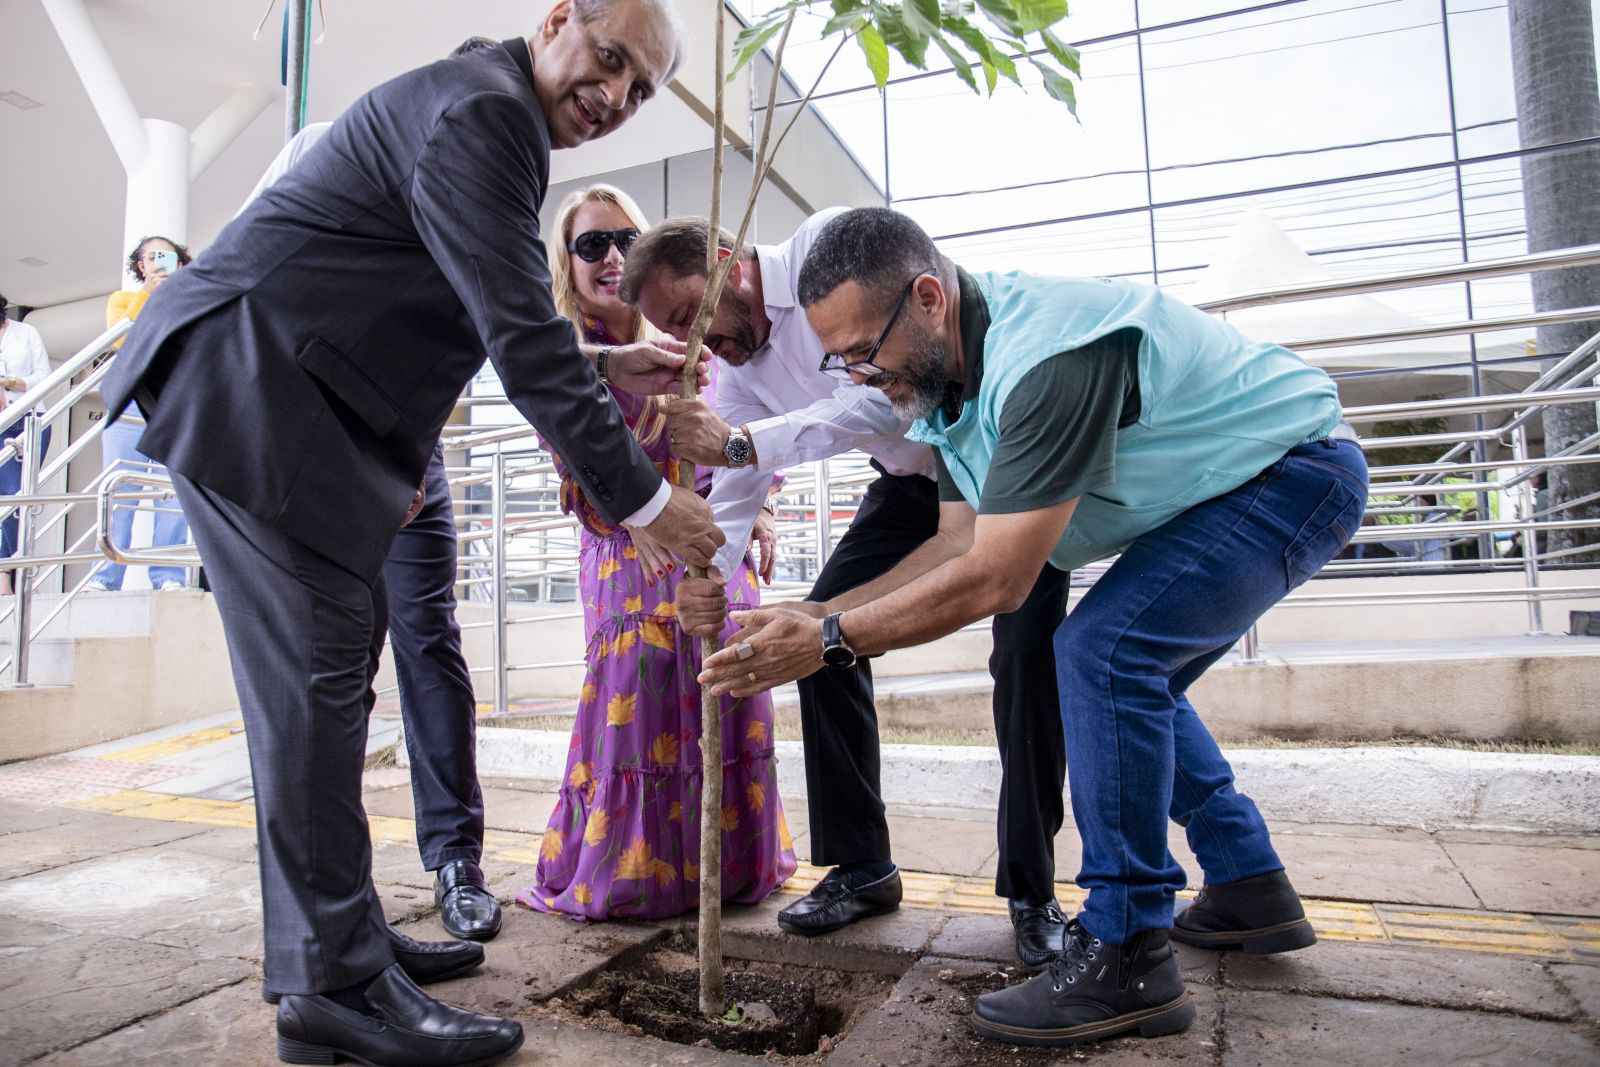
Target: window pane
[1300, 93]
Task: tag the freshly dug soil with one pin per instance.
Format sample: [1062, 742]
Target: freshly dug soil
[668, 1006]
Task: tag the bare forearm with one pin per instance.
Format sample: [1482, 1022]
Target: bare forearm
[937, 550]
[956, 592]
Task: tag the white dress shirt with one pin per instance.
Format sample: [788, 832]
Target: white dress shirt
[795, 412]
[22, 356]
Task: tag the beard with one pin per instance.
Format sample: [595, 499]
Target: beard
[737, 343]
[923, 376]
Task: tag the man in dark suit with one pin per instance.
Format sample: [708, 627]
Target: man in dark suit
[295, 386]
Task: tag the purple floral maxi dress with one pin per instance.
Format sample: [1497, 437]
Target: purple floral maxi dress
[624, 838]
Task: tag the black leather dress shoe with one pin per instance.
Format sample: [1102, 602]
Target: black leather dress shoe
[406, 1028]
[466, 907]
[423, 961]
[833, 903]
[1041, 932]
[1260, 915]
[1091, 991]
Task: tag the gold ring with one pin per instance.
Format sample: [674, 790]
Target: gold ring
[744, 650]
[750, 675]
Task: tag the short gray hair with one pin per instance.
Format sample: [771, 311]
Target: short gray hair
[589, 10]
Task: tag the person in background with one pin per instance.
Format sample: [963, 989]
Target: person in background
[23, 365]
[624, 838]
[152, 261]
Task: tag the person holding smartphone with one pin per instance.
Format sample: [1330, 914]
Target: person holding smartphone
[152, 261]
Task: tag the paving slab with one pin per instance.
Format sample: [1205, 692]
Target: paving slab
[72, 990]
[19, 936]
[230, 1026]
[166, 897]
[886, 944]
[16, 816]
[1518, 837]
[925, 1023]
[234, 843]
[1556, 881]
[81, 836]
[942, 846]
[1280, 1030]
[1427, 977]
[519, 811]
[538, 956]
[1399, 869]
[1581, 982]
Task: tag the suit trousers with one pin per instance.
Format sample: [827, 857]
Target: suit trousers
[436, 698]
[304, 634]
[840, 724]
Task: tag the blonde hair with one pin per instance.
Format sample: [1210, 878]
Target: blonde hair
[653, 417]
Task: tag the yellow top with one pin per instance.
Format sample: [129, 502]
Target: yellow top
[125, 305]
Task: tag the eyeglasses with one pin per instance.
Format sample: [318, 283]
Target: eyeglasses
[591, 246]
[836, 365]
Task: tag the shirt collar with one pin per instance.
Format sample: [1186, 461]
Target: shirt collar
[974, 328]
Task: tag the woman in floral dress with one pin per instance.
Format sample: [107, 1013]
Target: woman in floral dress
[624, 839]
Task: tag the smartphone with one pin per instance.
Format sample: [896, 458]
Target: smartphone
[166, 260]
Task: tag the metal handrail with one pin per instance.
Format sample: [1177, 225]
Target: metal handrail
[1579, 256]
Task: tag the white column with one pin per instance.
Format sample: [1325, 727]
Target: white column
[158, 187]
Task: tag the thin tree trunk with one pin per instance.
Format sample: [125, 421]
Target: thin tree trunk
[1553, 60]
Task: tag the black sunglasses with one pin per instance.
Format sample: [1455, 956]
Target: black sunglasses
[591, 246]
[838, 366]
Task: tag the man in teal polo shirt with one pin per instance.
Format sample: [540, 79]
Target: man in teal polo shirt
[1078, 419]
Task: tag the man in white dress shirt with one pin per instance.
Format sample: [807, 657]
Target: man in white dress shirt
[777, 407]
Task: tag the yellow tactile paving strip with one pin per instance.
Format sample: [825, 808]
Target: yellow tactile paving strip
[174, 745]
[1455, 929]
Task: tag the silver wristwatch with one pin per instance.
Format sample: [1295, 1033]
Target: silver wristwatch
[738, 451]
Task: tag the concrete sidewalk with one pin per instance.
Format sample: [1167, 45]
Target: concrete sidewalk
[129, 934]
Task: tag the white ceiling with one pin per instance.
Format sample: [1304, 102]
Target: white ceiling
[62, 187]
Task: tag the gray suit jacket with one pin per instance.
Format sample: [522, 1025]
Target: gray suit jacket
[305, 364]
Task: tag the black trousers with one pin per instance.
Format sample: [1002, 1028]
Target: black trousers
[840, 722]
[304, 635]
[436, 698]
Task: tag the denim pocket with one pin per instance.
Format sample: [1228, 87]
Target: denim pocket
[1327, 530]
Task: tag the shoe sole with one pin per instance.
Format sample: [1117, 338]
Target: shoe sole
[813, 931]
[1263, 941]
[1170, 1018]
[272, 998]
[292, 1051]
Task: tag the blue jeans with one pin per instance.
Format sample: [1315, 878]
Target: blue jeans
[11, 484]
[119, 445]
[1170, 607]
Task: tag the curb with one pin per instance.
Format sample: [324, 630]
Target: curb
[1427, 788]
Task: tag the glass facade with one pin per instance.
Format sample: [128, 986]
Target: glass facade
[1372, 135]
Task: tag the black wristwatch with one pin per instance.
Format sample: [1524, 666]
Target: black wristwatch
[835, 653]
[600, 363]
[738, 451]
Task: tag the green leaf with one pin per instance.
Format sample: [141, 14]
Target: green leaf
[752, 39]
[1037, 14]
[1059, 86]
[921, 16]
[989, 77]
[842, 20]
[911, 45]
[993, 59]
[1002, 14]
[877, 53]
[962, 65]
[1065, 54]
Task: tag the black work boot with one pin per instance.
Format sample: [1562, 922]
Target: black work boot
[1260, 915]
[1091, 991]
